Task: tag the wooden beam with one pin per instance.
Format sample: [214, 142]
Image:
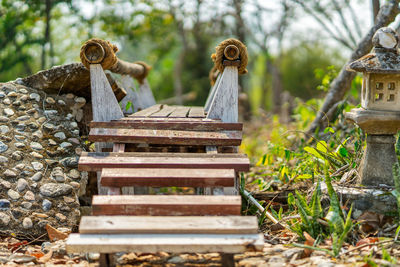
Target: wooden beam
[95, 161]
[196, 112]
[147, 112]
[180, 112]
[153, 243]
[168, 225]
[166, 205]
[165, 137]
[158, 177]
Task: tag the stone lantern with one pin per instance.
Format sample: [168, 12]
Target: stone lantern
[379, 115]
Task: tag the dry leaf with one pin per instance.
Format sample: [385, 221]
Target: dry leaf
[370, 221]
[309, 242]
[54, 234]
[368, 240]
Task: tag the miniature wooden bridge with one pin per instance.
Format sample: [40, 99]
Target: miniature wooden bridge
[164, 146]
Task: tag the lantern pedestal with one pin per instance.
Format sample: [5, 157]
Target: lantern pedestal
[379, 156]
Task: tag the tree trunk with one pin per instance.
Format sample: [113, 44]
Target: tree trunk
[277, 87]
[375, 9]
[46, 39]
[341, 84]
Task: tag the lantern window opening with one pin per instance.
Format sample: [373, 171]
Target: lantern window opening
[391, 86]
[378, 97]
[390, 98]
[379, 86]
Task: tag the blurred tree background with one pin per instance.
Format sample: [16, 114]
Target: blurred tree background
[292, 44]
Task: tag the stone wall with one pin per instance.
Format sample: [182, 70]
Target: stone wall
[39, 148]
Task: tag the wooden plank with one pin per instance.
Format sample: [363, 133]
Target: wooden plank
[180, 112]
[167, 177]
[166, 205]
[196, 112]
[168, 225]
[147, 112]
[170, 125]
[163, 112]
[153, 243]
[166, 137]
[95, 161]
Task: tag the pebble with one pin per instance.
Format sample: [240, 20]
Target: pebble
[61, 217]
[74, 174]
[68, 200]
[75, 185]
[51, 162]
[41, 119]
[75, 132]
[70, 162]
[8, 111]
[37, 177]
[27, 223]
[24, 98]
[17, 155]
[29, 196]
[19, 138]
[20, 258]
[36, 146]
[7, 102]
[26, 205]
[4, 119]
[12, 94]
[23, 118]
[50, 100]
[22, 184]
[58, 174]
[36, 155]
[19, 145]
[50, 112]
[48, 126]
[52, 142]
[14, 195]
[4, 129]
[23, 91]
[73, 125]
[46, 205]
[5, 184]
[3, 160]
[65, 145]
[55, 190]
[4, 204]
[35, 96]
[60, 135]
[3, 147]
[38, 134]
[2, 95]
[33, 125]
[61, 102]
[9, 174]
[4, 218]
[37, 166]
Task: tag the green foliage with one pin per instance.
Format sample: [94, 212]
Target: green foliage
[396, 191]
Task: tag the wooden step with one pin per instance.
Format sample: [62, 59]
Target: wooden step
[171, 124]
[95, 161]
[166, 137]
[171, 243]
[168, 225]
[166, 205]
[159, 177]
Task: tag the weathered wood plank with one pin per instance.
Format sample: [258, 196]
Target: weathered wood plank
[129, 118]
[159, 177]
[170, 125]
[166, 137]
[196, 112]
[180, 112]
[163, 112]
[153, 243]
[166, 205]
[168, 225]
[146, 112]
[95, 161]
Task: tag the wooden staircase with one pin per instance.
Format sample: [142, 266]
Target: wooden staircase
[168, 146]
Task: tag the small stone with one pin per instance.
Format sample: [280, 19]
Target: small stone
[60, 135]
[4, 119]
[41, 120]
[20, 258]
[51, 162]
[65, 145]
[35, 96]
[4, 129]
[19, 145]
[26, 205]
[14, 195]
[4, 219]
[3, 160]
[51, 112]
[23, 118]
[52, 142]
[80, 100]
[20, 166]
[58, 174]
[46, 246]
[29, 196]
[37, 177]
[74, 140]
[69, 200]
[38, 134]
[75, 185]
[22, 184]
[36, 155]
[9, 174]
[5, 184]
[46, 205]
[61, 217]
[2, 95]
[23, 91]
[70, 162]
[40, 215]
[33, 126]
[17, 155]
[55, 190]
[8, 112]
[50, 100]
[49, 126]
[36, 146]
[20, 127]
[74, 174]
[19, 138]
[3, 147]
[75, 132]
[12, 94]
[24, 98]
[7, 102]
[73, 125]
[37, 166]
[4, 204]
[61, 102]
[27, 223]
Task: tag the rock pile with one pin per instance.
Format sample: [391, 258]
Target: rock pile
[39, 152]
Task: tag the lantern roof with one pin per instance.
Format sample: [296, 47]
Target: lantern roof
[384, 58]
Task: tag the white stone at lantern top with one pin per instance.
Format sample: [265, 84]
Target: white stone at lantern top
[385, 38]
